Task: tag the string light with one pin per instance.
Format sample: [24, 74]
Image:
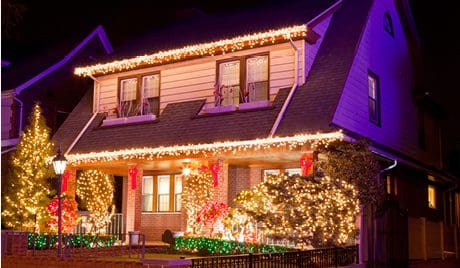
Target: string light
[205, 49]
[27, 192]
[209, 149]
[95, 189]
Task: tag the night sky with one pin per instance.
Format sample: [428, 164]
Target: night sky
[30, 26]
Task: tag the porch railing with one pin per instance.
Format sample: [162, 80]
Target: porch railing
[114, 226]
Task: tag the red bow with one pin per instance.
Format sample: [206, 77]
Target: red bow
[306, 161]
[215, 173]
[65, 178]
[133, 174]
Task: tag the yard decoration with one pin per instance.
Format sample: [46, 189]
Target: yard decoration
[212, 215]
[27, 191]
[69, 214]
[198, 190]
[95, 189]
[313, 210]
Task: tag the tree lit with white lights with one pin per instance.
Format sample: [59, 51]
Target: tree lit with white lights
[28, 189]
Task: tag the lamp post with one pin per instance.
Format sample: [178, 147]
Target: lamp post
[59, 164]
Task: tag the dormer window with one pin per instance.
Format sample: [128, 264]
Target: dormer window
[243, 80]
[139, 95]
[388, 24]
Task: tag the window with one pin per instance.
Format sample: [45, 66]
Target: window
[289, 171]
[243, 80]
[161, 193]
[177, 192]
[431, 196]
[391, 185]
[374, 98]
[147, 193]
[388, 24]
[139, 99]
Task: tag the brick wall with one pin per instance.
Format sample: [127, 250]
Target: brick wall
[241, 178]
[154, 224]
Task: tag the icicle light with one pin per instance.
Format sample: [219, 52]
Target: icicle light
[209, 149]
[206, 49]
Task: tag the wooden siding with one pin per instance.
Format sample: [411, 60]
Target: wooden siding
[389, 58]
[195, 79]
[7, 102]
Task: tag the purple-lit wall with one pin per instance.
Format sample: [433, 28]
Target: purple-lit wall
[389, 58]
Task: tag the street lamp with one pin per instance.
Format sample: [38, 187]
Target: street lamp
[59, 163]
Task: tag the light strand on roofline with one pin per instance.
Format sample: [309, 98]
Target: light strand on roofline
[205, 49]
[209, 149]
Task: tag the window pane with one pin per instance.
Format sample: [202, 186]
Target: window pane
[257, 69]
[147, 202]
[229, 73]
[163, 202]
[294, 171]
[372, 87]
[163, 184]
[147, 185]
[431, 197]
[230, 95]
[271, 172]
[151, 86]
[128, 89]
[178, 202]
[257, 78]
[147, 193]
[178, 184]
[373, 110]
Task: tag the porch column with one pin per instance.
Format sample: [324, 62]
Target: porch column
[132, 199]
[71, 182]
[255, 175]
[222, 188]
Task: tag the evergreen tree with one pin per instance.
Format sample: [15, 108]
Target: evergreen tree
[28, 190]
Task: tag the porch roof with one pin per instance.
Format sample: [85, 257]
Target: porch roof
[179, 124]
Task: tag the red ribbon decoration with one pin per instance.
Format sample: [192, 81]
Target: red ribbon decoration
[65, 178]
[215, 173]
[306, 162]
[202, 169]
[133, 174]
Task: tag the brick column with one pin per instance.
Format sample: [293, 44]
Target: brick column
[71, 182]
[222, 188]
[255, 176]
[132, 199]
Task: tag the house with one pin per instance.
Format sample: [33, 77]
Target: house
[252, 95]
[47, 78]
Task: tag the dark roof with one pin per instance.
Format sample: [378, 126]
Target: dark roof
[203, 28]
[74, 123]
[313, 106]
[179, 124]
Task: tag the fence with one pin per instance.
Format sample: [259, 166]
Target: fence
[330, 257]
[114, 226]
[74, 245]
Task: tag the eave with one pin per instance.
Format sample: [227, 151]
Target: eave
[219, 47]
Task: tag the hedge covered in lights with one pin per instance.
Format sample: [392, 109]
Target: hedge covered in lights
[48, 241]
[210, 246]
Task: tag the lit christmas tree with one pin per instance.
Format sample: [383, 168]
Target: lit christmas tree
[198, 190]
[27, 193]
[314, 210]
[95, 190]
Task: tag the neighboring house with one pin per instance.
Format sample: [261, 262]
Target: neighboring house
[47, 78]
[253, 96]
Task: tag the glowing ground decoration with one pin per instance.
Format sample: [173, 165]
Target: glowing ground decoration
[206, 49]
